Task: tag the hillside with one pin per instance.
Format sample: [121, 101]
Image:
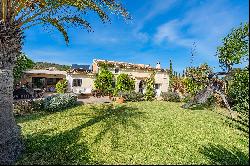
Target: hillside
[45, 65]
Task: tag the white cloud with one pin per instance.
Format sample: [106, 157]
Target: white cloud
[154, 8]
[205, 24]
[171, 32]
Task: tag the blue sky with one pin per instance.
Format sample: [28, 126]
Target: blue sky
[159, 31]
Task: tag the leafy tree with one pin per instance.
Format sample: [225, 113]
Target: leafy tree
[150, 85]
[61, 86]
[19, 15]
[124, 83]
[23, 63]
[104, 81]
[235, 47]
[235, 50]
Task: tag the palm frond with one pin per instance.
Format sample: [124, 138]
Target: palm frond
[54, 22]
[61, 14]
[77, 21]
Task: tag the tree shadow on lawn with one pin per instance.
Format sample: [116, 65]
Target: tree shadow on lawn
[31, 117]
[36, 115]
[115, 119]
[239, 121]
[238, 124]
[69, 147]
[64, 148]
[219, 155]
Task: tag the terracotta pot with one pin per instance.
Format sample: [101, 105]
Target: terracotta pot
[120, 100]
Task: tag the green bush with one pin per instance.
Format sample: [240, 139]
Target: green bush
[133, 96]
[171, 96]
[104, 81]
[59, 102]
[238, 90]
[124, 83]
[61, 86]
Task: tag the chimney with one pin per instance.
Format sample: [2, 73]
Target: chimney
[158, 65]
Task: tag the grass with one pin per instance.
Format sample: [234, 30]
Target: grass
[133, 133]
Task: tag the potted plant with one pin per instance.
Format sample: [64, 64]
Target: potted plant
[120, 99]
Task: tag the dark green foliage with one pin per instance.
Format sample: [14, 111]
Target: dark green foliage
[46, 65]
[104, 81]
[133, 96]
[23, 63]
[170, 74]
[235, 47]
[150, 85]
[61, 86]
[238, 90]
[124, 83]
[170, 69]
[171, 97]
[59, 102]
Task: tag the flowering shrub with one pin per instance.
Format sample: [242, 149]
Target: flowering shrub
[178, 85]
[22, 107]
[198, 73]
[59, 102]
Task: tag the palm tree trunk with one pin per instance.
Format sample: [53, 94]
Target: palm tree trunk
[10, 48]
[10, 141]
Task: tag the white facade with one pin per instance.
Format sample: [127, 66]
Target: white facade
[84, 82]
[80, 83]
[161, 78]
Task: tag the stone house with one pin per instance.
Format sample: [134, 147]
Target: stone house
[81, 77]
[81, 80]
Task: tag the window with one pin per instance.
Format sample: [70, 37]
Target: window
[116, 70]
[157, 86]
[77, 82]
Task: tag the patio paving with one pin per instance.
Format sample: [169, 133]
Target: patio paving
[94, 100]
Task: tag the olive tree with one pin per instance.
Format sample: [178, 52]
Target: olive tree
[234, 48]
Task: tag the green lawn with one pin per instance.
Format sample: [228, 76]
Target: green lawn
[133, 133]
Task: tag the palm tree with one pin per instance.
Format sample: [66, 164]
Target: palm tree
[15, 17]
